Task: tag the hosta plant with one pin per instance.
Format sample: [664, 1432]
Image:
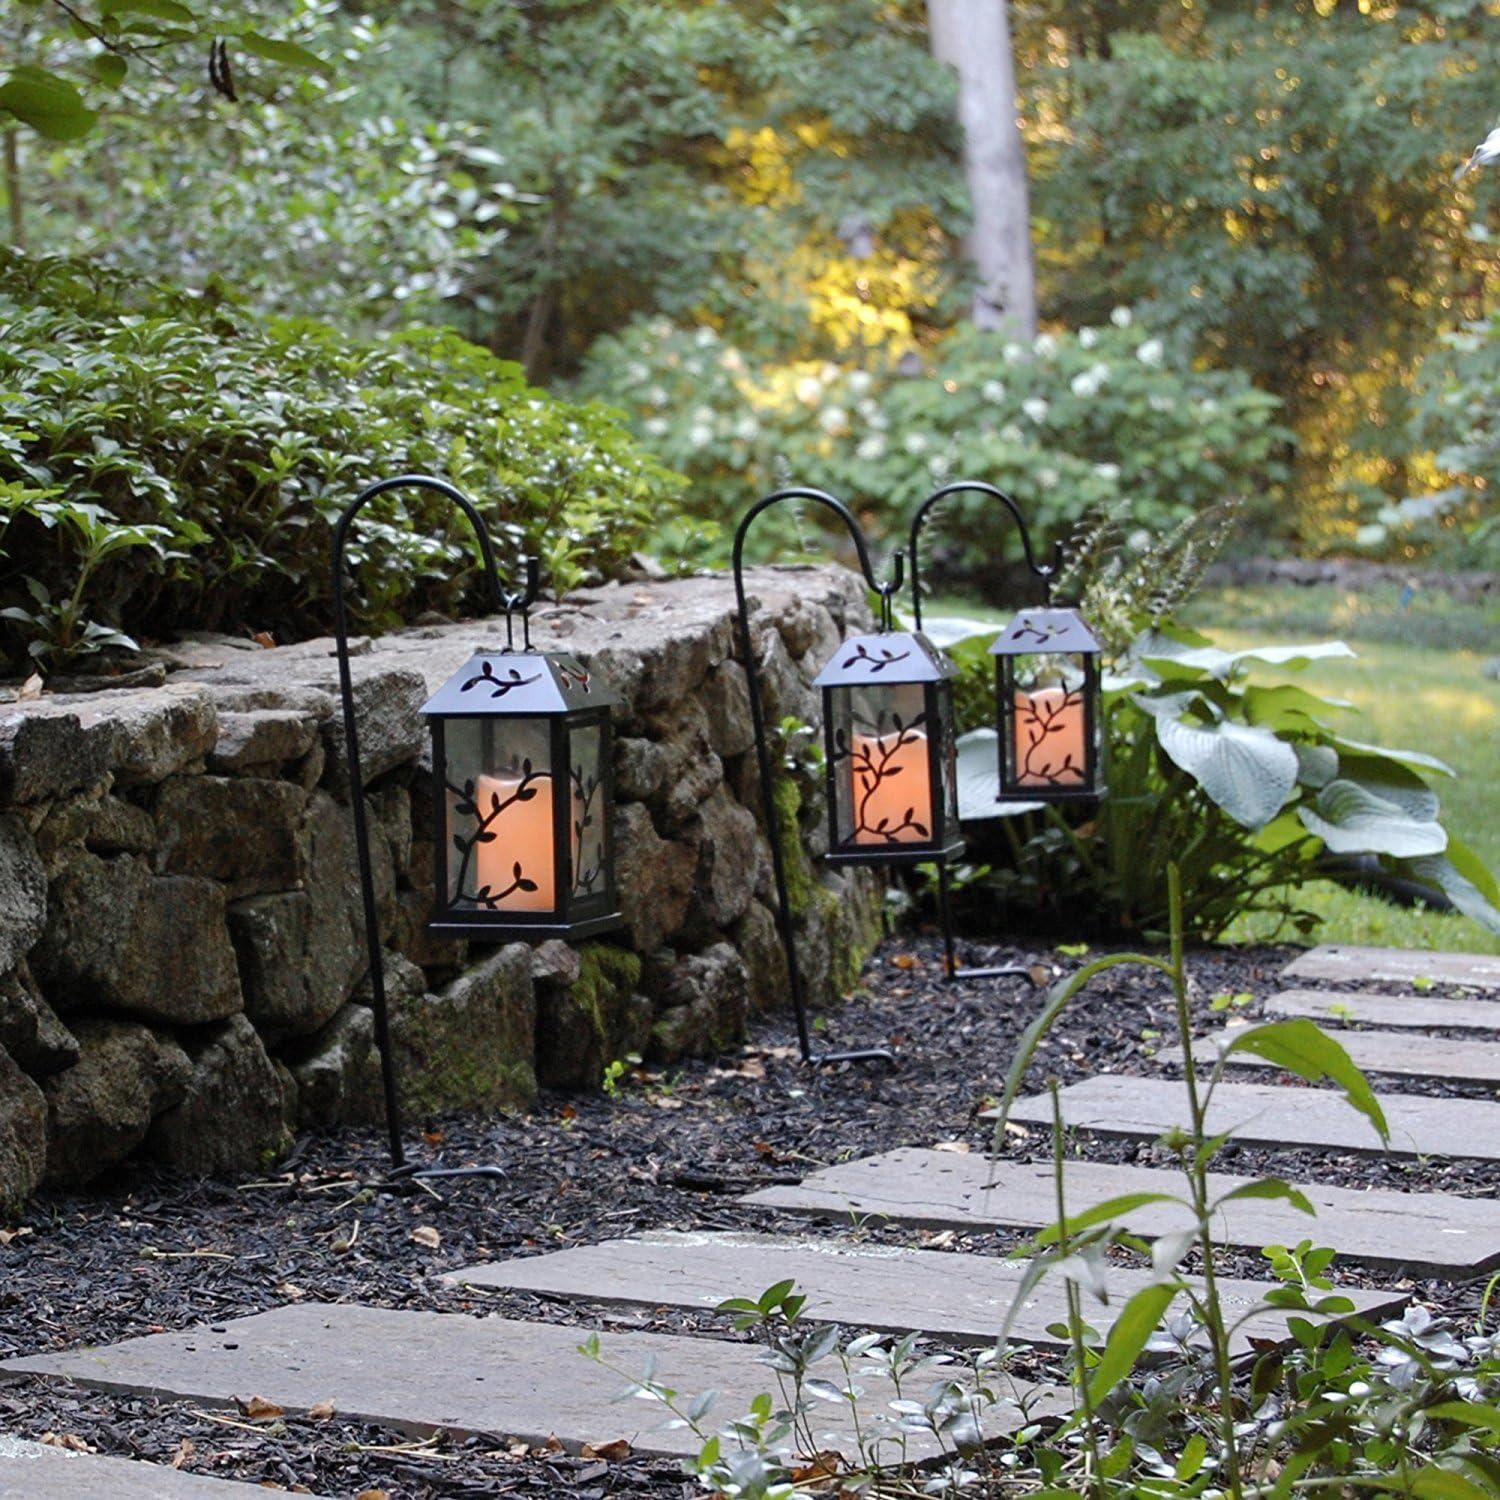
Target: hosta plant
[1252, 787]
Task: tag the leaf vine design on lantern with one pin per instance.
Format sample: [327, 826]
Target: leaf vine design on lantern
[579, 677]
[585, 789]
[499, 686]
[875, 759]
[1042, 634]
[876, 662]
[1041, 715]
[467, 807]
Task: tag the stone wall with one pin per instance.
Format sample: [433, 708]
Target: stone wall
[181, 949]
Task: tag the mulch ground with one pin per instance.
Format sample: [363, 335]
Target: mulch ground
[672, 1149]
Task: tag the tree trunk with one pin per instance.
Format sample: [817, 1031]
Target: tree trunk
[974, 37]
[13, 198]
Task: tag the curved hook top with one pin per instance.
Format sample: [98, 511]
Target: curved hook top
[1045, 571]
[856, 533]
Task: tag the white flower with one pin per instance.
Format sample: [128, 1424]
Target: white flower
[702, 414]
[871, 448]
[635, 370]
[700, 435]
[833, 420]
[809, 390]
[993, 390]
[1120, 317]
[658, 426]
[1085, 384]
[1045, 345]
[1150, 352]
[1160, 403]
[1107, 471]
[1047, 478]
[860, 381]
[1013, 354]
[1035, 408]
[747, 428]
[938, 466]
[732, 359]
[704, 337]
[915, 442]
[1209, 406]
[656, 396]
[1138, 540]
[1087, 337]
[1010, 433]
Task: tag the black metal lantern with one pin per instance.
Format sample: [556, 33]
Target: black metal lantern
[1047, 697]
[889, 742]
[522, 759]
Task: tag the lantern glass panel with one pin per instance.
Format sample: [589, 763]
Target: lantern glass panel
[883, 786]
[588, 823]
[500, 833]
[1049, 720]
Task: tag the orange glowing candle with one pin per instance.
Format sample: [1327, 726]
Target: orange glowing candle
[892, 789]
[1051, 737]
[523, 836]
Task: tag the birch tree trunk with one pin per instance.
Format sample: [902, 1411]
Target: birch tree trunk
[973, 36]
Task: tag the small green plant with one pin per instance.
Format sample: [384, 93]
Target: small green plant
[1226, 1001]
[616, 1072]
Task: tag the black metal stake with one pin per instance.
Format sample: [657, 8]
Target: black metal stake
[774, 831]
[401, 1169]
[1046, 572]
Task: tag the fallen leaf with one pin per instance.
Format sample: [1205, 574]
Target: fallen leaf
[906, 961]
[665, 1101]
[941, 1239]
[1041, 974]
[322, 1412]
[819, 1466]
[552, 1445]
[31, 688]
[958, 1148]
[258, 1409]
[264, 639]
[567, 1112]
[433, 1137]
[373, 1495]
[426, 1236]
[614, 1452]
[1019, 1131]
[7, 1235]
[69, 1440]
[184, 1454]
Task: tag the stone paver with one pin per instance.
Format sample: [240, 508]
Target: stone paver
[1427, 1234]
[1351, 965]
[420, 1372]
[962, 1298]
[1263, 1114]
[1400, 1012]
[35, 1471]
[1399, 1054]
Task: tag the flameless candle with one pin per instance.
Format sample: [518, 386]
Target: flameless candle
[523, 835]
[1050, 737]
[891, 778]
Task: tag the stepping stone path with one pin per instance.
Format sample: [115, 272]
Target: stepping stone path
[1423, 1234]
[1374, 1052]
[37, 1471]
[500, 1378]
[960, 1298]
[1475, 971]
[422, 1372]
[1263, 1114]
[1400, 1012]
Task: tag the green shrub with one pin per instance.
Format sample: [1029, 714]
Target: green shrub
[1082, 420]
[169, 460]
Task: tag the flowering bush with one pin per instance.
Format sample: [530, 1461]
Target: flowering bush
[1069, 424]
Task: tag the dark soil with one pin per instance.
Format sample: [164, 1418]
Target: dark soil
[672, 1149]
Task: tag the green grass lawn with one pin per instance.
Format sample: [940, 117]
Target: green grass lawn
[1417, 683]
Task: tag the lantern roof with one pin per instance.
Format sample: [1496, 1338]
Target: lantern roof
[877, 660]
[1035, 632]
[520, 682]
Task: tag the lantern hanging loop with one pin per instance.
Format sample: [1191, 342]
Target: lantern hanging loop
[494, 602]
[1045, 571]
[763, 751]
[511, 601]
